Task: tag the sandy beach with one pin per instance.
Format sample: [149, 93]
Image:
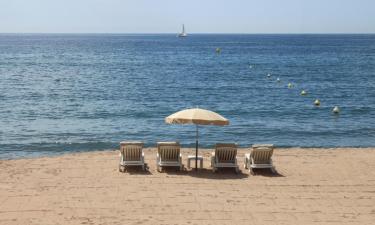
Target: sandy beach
[313, 186]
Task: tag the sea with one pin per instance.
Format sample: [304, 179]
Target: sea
[63, 93]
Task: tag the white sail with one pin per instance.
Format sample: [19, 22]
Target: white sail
[183, 33]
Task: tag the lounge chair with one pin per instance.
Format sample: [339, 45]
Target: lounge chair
[224, 156]
[259, 157]
[131, 155]
[168, 155]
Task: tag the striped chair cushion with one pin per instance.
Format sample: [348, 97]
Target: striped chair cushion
[169, 151]
[261, 154]
[132, 151]
[225, 152]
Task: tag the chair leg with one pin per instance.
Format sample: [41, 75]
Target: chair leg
[273, 170]
[245, 163]
[237, 169]
[251, 171]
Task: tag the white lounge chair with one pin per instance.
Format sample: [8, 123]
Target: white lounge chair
[131, 155]
[168, 155]
[225, 156]
[259, 157]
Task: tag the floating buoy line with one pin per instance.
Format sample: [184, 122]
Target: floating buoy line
[317, 103]
[335, 110]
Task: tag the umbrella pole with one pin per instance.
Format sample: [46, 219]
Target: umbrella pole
[196, 149]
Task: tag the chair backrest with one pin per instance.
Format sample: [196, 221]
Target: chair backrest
[225, 152]
[169, 151]
[262, 153]
[131, 151]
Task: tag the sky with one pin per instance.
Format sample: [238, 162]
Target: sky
[199, 16]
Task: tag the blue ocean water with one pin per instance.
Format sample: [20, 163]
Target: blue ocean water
[73, 92]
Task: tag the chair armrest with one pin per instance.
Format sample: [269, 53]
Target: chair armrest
[121, 158]
[213, 156]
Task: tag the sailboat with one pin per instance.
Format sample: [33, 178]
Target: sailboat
[183, 33]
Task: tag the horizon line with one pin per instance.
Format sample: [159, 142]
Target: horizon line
[195, 33]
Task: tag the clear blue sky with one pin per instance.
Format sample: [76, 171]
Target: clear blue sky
[199, 16]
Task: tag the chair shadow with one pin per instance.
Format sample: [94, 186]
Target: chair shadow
[137, 170]
[267, 173]
[204, 173]
[172, 170]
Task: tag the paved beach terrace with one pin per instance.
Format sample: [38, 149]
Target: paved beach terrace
[313, 186]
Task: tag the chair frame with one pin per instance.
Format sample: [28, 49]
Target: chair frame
[250, 163]
[168, 146]
[135, 148]
[231, 150]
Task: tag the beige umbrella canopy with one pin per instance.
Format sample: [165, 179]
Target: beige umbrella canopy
[197, 116]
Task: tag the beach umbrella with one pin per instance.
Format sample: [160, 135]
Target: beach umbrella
[197, 116]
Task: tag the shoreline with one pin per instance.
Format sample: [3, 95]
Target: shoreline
[60, 154]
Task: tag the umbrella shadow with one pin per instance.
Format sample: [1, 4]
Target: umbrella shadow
[221, 174]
